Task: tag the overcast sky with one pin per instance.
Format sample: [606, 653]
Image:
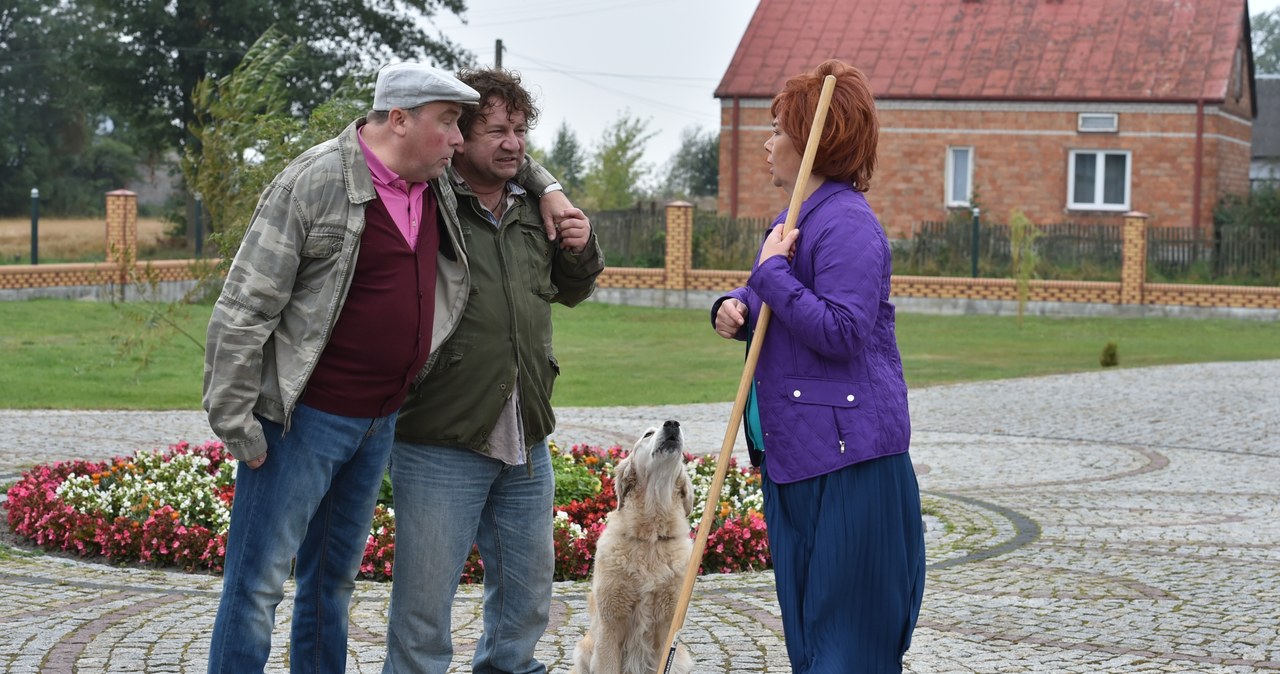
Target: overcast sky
[589, 60]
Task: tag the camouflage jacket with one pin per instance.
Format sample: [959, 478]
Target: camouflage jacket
[290, 278]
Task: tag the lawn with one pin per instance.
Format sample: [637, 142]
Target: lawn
[91, 355]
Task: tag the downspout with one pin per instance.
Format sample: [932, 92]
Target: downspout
[733, 160]
[1199, 170]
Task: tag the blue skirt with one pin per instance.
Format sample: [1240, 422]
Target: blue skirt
[849, 564]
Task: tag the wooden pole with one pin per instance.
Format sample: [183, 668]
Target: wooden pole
[798, 195]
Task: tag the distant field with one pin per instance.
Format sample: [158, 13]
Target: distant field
[71, 239]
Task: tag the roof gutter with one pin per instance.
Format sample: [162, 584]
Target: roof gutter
[1199, 170]
[733, 161]
[1018, 99]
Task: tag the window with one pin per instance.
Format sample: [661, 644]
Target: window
[959, 176]
[1099, 180]
[1098, 122]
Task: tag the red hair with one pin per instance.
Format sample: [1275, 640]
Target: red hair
[847, 147]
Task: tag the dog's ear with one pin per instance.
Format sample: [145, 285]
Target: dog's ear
[624, 480]
[684, 490]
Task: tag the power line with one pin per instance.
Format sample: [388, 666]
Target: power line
[626, 94]
[686, 82]
[534, 13]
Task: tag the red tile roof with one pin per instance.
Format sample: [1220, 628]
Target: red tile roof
[1134, 50]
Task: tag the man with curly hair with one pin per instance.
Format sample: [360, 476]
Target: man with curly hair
[471, 465]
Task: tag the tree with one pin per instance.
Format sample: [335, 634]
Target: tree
[1266, 41]
[1022, 246]
[247, 133]
[694, 171]
[51, 136]
[158, 50]
[615, 176]
[566, 160]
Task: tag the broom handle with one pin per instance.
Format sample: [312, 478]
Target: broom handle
[798, 194]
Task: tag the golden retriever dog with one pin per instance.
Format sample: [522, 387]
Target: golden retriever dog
[640, 562]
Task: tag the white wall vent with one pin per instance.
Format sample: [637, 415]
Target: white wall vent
[1098, 122]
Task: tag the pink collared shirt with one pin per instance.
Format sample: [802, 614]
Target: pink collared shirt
[402, 199]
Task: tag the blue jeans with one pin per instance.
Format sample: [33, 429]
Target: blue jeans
[314, 496]
[446, 499]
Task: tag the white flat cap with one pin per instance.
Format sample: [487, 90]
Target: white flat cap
[408, 85]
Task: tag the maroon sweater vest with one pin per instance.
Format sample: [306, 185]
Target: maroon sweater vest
[383, 334]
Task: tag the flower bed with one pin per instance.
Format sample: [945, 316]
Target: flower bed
[172, 508]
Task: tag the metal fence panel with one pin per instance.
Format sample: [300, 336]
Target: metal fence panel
[1237, 255]
[1067, 251]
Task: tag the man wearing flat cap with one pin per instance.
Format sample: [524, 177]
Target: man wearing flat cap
[351, 273]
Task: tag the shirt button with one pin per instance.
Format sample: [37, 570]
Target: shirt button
[796, 393]
[850, 398]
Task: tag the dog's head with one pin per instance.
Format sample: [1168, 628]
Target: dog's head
[654, 472]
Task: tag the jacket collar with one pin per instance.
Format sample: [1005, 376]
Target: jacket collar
[825, 191]
[355, 171]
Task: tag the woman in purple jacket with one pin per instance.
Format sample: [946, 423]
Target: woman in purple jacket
[827, 419]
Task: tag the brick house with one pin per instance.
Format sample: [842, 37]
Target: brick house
[1068, 110]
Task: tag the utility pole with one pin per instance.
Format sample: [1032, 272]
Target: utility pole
[199, 225]
[974, 247]
[35, 226]
[497, 53]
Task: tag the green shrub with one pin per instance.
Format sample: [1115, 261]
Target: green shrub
[1110, 355]
[574, 481]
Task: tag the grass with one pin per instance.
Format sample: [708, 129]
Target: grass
[90, 355]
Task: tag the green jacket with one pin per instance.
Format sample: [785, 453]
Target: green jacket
[505, 332]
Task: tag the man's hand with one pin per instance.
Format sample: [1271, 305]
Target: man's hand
[730, 318]
[574, 230]
[551, 205]
[257, 461]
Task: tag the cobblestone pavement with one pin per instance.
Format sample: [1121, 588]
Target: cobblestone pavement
[1118, 521]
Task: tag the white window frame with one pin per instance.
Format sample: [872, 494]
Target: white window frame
[1111, 117]
[1099, 181]
[948, 197]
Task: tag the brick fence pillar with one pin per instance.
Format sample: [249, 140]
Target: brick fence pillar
[122, 227]
[1133, 273]
[679, 245]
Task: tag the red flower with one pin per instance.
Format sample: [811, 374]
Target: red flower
[156, 533]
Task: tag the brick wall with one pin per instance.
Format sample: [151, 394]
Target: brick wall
[1020, 159]
[757, 197]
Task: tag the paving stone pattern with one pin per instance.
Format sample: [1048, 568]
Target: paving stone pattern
[1117, 521]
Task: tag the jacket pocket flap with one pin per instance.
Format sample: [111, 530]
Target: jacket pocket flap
[829, 392]
[323, 242]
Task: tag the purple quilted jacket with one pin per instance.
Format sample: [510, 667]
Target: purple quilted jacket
[829, 382]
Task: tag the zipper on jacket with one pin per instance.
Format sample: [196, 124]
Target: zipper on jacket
[835, 420]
